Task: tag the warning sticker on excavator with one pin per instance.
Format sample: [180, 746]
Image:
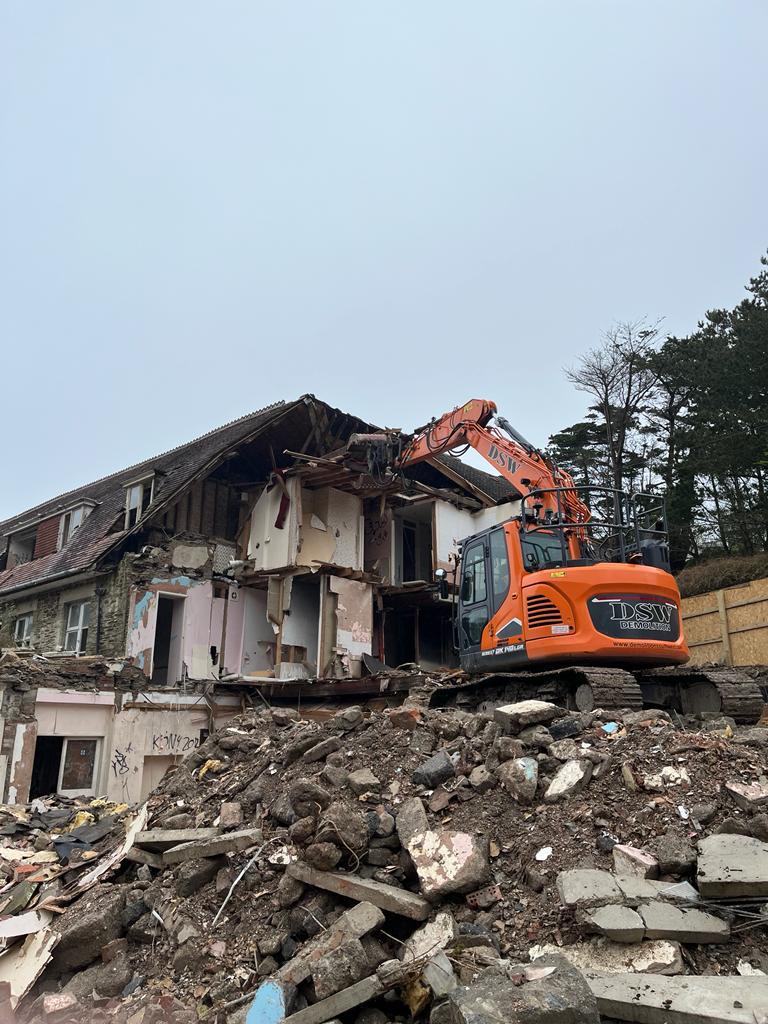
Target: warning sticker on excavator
[560, 572]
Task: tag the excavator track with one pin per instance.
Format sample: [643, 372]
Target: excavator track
[687, 690]
[694, 689]
[607, 688]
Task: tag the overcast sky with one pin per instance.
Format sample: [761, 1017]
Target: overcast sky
[205, 207]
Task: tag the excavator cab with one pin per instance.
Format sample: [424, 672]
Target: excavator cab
[541, 590]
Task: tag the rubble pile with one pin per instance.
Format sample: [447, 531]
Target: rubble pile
[515, 863]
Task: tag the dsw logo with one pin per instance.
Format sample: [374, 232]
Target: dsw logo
[641, 611]
[502, 459]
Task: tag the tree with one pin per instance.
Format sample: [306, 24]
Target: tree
[619, 376]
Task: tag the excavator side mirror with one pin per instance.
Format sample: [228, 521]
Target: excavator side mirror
[441, 578]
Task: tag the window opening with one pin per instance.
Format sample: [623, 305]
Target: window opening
[138, 498]
[78, 616]
[22, 631]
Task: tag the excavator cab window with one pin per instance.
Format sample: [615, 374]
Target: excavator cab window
[473, 597]
[541, 550]
[499, 568]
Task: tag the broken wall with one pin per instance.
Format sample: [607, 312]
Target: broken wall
[354, 620]
[331, 531]
[203, 634]
[273, 536]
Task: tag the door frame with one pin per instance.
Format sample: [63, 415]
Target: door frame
[96, 765]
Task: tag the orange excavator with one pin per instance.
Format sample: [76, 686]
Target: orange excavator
[571, 598]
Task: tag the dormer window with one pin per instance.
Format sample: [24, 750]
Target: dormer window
[138, 498]
[71, 522]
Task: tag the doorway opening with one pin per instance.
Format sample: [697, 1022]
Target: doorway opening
[67, 766]
[45, 767]
[166, 655]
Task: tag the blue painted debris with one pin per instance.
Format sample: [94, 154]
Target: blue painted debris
[611, 727]
[268, 1006]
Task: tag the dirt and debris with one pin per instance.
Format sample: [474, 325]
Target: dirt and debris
[389, 866]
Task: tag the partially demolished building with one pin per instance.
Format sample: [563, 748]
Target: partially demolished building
[268, 549]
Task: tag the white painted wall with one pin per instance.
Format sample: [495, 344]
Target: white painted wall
[268, 546]
[453, 525]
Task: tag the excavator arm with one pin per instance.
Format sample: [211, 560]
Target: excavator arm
[526, 468]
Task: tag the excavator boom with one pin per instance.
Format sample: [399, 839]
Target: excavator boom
[526, 468]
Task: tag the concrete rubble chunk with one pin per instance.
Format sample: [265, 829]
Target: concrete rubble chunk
[354, 923]
[386, 897]
[387, 976]
[587, 887]
[83, 932]
[571, 778]
[675, 854]
[750, 797]
[731, 866]
[655, 957]
[430, 938]
[307, 798]
[345, 966]
[667, 778]
[159, 838]
[520, 778]
[481, 779]
[618, 923]
[230, 842]
[438, 974]
[322, 749]
[194, 874]
[449, 862]
[345, 826]
[411, 820]
[565, 750]
[628, 860]
[363, 781]
[231, 815]
[436, 769]
[514, 717]
[504, 995]
[637, 890]
[666, 921]
[689, 1000]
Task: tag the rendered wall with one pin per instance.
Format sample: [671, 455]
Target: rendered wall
[331, 529]
[453, 525]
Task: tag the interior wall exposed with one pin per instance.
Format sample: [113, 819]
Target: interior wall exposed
[301, 621]
[413, 542]
[258, 634]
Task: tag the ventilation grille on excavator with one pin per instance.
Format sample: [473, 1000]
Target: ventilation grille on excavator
[542, 611]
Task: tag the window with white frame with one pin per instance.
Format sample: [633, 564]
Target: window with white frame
[22, 630]
[138, 498]
[77, 618]
[71, 521]
[79, 766]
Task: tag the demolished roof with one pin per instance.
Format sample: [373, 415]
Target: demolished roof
[174, 471]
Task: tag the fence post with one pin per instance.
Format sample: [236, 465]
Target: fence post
[725, 635]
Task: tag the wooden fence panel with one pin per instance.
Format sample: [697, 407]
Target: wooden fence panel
[728, 626]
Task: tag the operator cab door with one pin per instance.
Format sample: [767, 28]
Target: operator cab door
[473, 599]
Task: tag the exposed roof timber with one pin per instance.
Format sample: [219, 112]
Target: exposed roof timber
[483, 497]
